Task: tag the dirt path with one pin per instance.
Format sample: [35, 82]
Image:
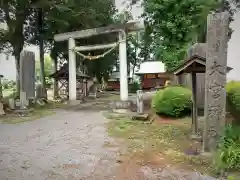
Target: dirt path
[68, 145]
[71, 145]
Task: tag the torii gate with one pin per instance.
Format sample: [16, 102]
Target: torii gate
[121, 29]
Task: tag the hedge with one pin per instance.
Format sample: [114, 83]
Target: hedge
[233, 99]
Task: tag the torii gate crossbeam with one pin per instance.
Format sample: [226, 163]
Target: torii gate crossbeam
[121, 29]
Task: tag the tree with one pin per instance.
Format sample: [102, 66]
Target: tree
[21, 16]
[48, 68]
[15, 14]
[146, 43]
[237, 3]
[90, 14]
[176, 24]
[21, 19]
[135, 43]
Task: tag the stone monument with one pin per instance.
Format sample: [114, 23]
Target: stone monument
[140, 105]
[27, 77]
[216, 69]
[1, 93]
[2, 112]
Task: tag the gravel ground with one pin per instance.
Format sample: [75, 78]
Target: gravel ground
[68, 145]
[71, 145]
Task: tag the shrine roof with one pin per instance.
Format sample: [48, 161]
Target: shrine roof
[63, 73]
[195, 63]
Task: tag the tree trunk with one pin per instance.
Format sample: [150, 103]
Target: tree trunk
[41, 49]
[17, 62]
[55, 82]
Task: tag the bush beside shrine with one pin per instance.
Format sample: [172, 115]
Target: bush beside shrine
[233, 99]
[133, 87]
[174, 101]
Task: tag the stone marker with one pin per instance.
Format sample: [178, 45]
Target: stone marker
[1, 94]
[216, 68]
[139, 101]
[2, 112]
[27, 77]
[39, 91]
[119, 106]
[11, 103]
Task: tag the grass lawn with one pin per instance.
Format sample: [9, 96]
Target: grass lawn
[160, 144]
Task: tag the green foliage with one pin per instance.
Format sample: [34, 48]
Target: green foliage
[133, 87]
[233, 99]
[134, 43]
[48, 70]
[231, 178]
[172, 101]
[232, 85]
[84, 14]
[8, 84]
[48, 66]
[176, 24]
[59, 17]
[228, 154]
[9, 94]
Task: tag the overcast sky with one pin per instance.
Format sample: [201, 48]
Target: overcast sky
[136, 9]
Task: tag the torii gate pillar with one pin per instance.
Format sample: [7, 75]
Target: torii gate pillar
[129, 27]
[72, 79]
[123, 66]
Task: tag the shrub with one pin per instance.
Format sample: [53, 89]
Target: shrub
[232, 85]
[134, 86]
[49, 82]
[233, 99]
[172, 101]
[228, 154]
[8, 84]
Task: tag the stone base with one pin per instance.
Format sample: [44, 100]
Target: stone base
[23, 111]
[141, 117]
[74, 102]
[121, 111]
[196, 137]
[121, 106]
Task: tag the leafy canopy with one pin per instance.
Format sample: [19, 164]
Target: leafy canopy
[59, 17]
[177, 24]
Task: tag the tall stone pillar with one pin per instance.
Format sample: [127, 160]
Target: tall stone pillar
[123, 67]
[216, 68]
[72, 71]
[27, 77]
